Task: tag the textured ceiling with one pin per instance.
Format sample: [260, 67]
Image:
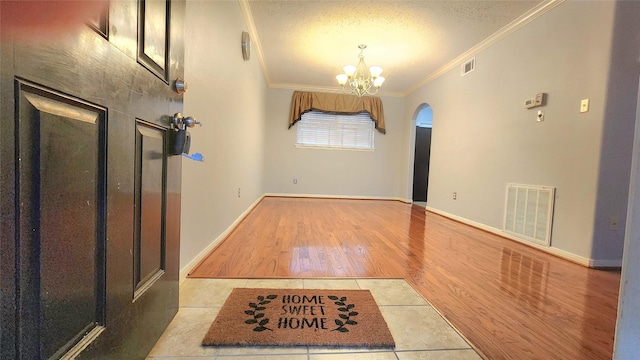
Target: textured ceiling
[304, 44]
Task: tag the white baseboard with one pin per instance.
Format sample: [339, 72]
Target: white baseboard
[551, 250]
[184, 272]
[604, 263]
[354, 197]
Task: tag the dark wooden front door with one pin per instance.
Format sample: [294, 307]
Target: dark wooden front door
[89, 197]
[421, 163]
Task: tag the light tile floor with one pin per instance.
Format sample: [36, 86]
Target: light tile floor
[419, 331]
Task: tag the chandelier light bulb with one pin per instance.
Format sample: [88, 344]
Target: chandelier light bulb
[349, 70]
[375, 71]
[378, 81]
[342, 79]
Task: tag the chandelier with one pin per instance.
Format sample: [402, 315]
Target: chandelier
[359, 81]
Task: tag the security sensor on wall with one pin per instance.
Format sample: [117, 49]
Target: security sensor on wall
[539, 100]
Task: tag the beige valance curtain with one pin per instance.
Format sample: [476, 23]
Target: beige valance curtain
[303, 102]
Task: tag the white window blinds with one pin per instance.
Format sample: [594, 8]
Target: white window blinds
[339, 131]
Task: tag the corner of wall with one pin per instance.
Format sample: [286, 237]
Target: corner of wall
[617, 134]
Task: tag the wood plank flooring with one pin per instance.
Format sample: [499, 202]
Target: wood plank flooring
[510, 301]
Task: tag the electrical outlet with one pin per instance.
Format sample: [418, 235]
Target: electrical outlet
[295, 181]
[238, 192]
[584, 105]
[455, 196]
[614, 223]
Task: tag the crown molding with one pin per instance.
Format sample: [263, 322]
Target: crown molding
[255, 39]
[516, 24]
[328, 89]
[507, 30]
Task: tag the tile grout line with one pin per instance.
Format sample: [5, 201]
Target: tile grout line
[385, 291]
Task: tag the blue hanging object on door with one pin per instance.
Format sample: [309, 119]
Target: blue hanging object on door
[195, 157]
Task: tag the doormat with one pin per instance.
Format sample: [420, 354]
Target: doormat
[300, 317]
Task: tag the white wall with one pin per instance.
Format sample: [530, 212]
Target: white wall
[484, 137]
[228, 96]
[332, 172]
[617, 139]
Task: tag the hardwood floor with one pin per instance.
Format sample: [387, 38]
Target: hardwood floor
[510, 301]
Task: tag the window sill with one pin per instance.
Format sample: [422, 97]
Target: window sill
[331, 148]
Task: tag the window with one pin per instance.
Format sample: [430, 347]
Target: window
[336, 131]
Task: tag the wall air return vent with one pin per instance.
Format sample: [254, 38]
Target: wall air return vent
[529, 212]
[468, 67]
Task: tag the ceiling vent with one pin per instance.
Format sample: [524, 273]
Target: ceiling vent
[468, 67]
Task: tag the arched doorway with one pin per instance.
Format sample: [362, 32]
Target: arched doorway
[424, 124]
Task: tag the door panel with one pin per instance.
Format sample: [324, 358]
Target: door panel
[149, 248]
[154, 32]
[89, 256]
[62, 194]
